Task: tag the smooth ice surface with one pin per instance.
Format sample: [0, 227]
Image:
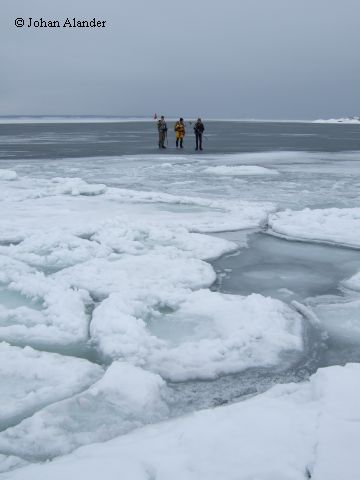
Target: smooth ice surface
[293, 431]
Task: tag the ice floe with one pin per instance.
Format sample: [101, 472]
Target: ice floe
[207, 335]
[332, 225]
[213, 334]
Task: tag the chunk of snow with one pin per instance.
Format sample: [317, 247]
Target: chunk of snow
[77, 186]
[7, 174]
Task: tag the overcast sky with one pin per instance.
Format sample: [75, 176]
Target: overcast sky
[294, 59]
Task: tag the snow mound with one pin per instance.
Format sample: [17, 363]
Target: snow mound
[240, 170]
[77, 186]
[125, 398]
[332, 225]
[55, 249]
[150, 276]
[139, 237]
[31, 379]
[8, 174]
[293, 431]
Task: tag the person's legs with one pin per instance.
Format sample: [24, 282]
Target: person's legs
[181, 142]
[200, 140]
[163, 139]
[197, 141]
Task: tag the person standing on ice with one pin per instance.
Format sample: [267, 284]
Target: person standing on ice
[162, 129]
[199, 130]
[179, 132]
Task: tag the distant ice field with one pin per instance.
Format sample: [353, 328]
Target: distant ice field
[159, 280]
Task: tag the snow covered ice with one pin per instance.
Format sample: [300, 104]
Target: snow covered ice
[136, 288]
[293, 431]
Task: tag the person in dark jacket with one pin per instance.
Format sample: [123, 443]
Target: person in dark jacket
[199, 130]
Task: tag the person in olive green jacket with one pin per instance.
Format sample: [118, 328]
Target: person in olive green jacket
[162, 129]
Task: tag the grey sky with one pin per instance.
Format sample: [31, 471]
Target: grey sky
[229, 58]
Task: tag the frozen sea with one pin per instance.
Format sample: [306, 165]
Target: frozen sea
[138, 286]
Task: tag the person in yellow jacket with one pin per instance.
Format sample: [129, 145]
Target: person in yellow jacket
[179, 132]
